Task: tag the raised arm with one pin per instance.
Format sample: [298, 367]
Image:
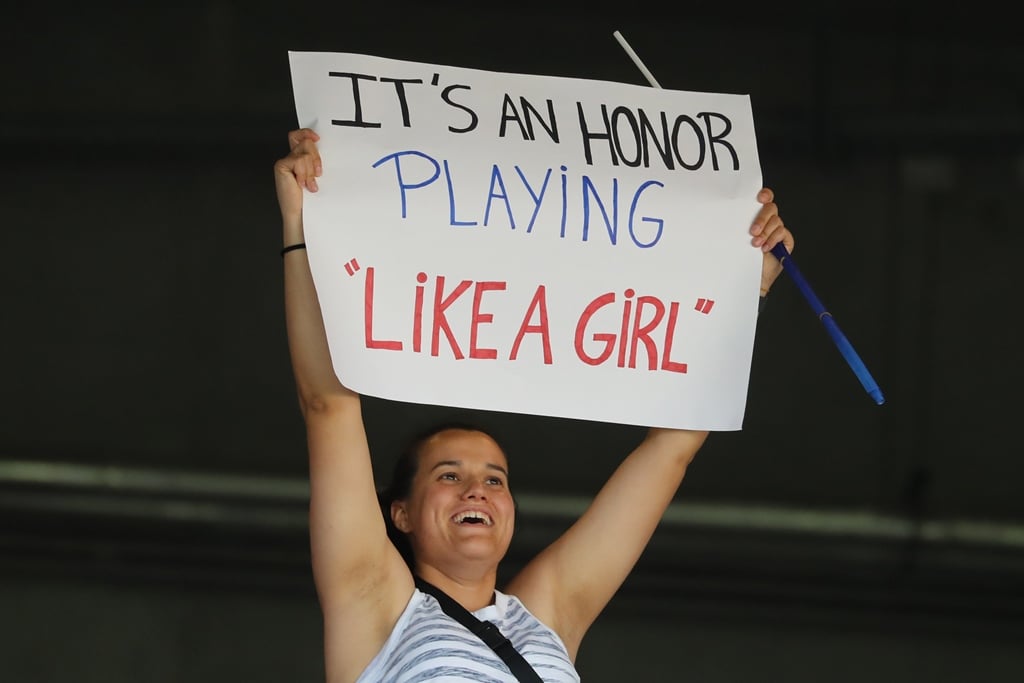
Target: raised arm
[571, 581]
[568, 584]
[361, 580]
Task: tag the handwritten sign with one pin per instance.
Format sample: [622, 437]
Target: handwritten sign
[533, 244]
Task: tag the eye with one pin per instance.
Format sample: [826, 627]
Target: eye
[496, 481]
[449, 476]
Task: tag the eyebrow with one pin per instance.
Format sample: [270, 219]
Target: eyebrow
[458, 463]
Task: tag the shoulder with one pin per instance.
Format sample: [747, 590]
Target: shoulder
[515, 613]
[536, 641]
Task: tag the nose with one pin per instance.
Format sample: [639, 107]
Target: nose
[475, 489]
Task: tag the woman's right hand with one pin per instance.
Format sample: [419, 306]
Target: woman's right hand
[297, 171]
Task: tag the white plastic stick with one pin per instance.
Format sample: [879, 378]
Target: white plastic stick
[636, 60]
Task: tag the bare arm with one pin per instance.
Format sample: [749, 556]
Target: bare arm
[361, 580]
[570, 583]
[572, 580]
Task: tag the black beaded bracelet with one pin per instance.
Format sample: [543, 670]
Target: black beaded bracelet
[293, 247]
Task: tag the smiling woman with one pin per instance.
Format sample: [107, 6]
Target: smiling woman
[448, 514]
[408, 464]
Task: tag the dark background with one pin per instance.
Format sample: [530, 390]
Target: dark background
[152, 457]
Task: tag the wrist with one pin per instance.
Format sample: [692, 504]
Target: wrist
[292, 231]
[290, 238]
[292, 247]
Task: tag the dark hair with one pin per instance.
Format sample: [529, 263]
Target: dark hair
[404, 472]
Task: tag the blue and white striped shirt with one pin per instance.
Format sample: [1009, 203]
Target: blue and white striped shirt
[428, 645]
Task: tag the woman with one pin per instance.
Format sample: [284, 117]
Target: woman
[457, 511]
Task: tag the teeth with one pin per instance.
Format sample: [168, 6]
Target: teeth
[463, 516]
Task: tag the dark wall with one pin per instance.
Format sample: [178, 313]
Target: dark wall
[146, 379]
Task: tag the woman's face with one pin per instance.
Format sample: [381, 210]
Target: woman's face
[460, 505]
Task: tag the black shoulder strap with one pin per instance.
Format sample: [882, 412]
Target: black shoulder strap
[485, 630]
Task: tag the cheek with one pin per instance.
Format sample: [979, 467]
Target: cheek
[433, 500]
[417, 504]
[509, 508]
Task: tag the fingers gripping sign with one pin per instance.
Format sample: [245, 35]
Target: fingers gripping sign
[298, 171]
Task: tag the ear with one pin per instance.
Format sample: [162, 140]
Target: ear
[400, 516]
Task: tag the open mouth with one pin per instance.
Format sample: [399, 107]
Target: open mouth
[473, 517]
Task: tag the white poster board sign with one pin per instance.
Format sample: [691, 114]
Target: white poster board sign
[533, 244]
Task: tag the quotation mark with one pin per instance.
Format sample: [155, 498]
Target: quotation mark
[351, 267]
[704, 305]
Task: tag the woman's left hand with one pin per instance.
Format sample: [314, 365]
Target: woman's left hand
[767, 231]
